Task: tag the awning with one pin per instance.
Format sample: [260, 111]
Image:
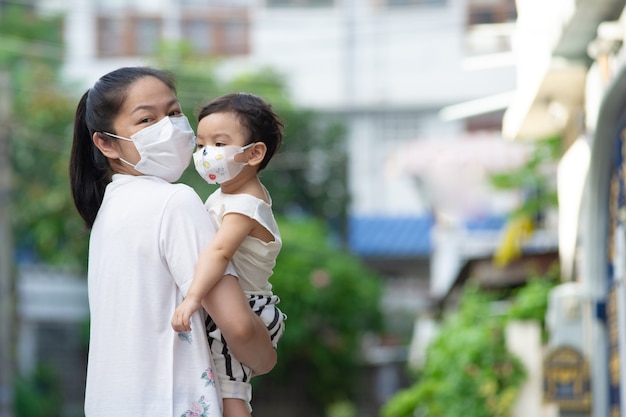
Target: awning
[477, 107]
[542, 107]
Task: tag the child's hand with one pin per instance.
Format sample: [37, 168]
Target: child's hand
[182, 315]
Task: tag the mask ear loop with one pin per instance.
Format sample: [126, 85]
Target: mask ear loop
[242, 150]
[117, 137]
[123, 138]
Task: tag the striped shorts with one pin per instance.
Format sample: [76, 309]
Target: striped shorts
[233, 376]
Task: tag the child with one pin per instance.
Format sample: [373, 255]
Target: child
[237, 136]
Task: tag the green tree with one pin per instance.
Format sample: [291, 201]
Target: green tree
[38, 394]
[331, 300]
[468, 369]
[45, 224]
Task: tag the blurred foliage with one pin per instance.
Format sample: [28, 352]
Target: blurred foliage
[28, 38]
[330, 300]
[531, 300]
[38, 394]
[536, 178]
[45, 224]
[341, 409]
[468, 369]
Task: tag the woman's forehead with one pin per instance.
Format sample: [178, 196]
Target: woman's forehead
[146, 93]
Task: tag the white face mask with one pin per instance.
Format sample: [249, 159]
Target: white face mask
[165, 148]
[217, 165]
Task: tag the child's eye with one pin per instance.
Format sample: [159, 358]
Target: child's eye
[199, 146]
[219, 144]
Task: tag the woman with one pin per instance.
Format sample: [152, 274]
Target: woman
[131, 141]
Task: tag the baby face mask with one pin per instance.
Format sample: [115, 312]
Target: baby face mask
[165, 148]
[217, 165]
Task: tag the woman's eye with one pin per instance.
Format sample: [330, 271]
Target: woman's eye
[175, 113]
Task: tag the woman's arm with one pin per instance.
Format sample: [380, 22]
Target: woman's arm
[244, 331]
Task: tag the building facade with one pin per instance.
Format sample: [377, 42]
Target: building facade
[572, 82]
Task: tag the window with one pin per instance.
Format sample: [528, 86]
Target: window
[198, 33]
[485, 122]
[147, 33]
[220, 31]
[216, 3]
[110, 34]
[409, 3]
[300, 3]
[491, 11]
[490, 25]
[235, 36]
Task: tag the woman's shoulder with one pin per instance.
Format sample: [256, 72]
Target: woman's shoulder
[184, 193]
[155, 190]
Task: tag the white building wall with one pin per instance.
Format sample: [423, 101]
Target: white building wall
[371, 56]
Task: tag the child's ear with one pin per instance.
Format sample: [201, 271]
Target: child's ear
[257, 153]
[106, 146]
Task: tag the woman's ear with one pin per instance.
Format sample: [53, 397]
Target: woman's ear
[257, 153]
[106, 146]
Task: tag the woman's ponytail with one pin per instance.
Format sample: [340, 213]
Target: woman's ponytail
[89, 170]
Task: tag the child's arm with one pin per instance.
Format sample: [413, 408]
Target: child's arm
[211, 266]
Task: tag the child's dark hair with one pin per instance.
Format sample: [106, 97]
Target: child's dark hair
[257, 116]
[97, 109]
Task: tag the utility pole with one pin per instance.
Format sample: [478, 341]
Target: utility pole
[7, 292]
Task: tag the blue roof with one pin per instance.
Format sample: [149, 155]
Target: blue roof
[398, 237]
[390, 236]
[489, 223]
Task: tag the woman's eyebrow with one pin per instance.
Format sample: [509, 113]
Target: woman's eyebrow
[152, 106]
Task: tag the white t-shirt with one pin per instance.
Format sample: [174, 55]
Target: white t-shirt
[144, 247]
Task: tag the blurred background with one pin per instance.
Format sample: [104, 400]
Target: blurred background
[451, 195]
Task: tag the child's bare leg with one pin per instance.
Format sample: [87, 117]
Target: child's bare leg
[234, 407]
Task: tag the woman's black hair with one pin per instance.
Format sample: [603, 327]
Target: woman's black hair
[257, 116]
[96, 111]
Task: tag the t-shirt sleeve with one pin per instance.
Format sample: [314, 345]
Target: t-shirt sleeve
[185, 231]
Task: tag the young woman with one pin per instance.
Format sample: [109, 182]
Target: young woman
[131, 141]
